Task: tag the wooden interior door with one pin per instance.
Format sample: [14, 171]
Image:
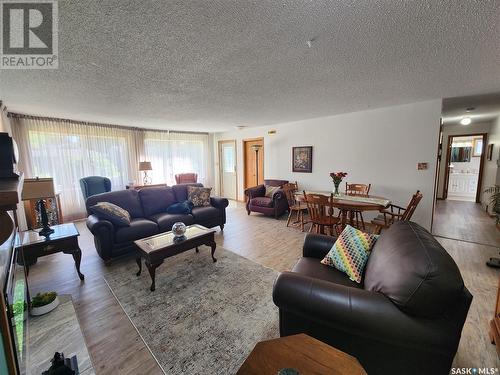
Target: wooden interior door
[253, 162]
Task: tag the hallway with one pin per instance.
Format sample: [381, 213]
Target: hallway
[465, 221]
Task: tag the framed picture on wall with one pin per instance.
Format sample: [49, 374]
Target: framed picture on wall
[302, 159]
[489, 153]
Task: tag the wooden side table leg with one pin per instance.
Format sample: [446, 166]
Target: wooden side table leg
[77, 256]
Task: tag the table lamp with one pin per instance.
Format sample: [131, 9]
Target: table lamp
[145, 166]
[40, 188]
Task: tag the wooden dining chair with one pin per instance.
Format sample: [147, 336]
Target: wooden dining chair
[321, 213]
[294, 206]
[396, 213]
[358, 189]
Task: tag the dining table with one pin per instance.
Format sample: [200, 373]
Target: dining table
[348, 204]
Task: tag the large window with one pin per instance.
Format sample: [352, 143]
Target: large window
[69, 155]
[68, 151]
[171, 154]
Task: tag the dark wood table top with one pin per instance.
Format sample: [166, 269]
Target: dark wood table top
[61, 232]
[164, 241]
[302, 353]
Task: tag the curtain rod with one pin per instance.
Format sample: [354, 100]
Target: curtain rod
[21, 115]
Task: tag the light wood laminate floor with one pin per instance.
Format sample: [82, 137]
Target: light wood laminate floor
[465, 221]
[116, 347]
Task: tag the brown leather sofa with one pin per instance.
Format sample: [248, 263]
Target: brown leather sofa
[406, 317]
[258, 202]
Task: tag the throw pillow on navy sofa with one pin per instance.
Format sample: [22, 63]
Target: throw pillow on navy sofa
[181, 208]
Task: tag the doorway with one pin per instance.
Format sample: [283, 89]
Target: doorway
[227, 169]
[253, 162]
[464, 167]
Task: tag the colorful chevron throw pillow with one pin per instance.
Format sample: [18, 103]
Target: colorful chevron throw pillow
[350, 252]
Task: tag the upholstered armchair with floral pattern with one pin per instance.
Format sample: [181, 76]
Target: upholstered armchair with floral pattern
[274, 204]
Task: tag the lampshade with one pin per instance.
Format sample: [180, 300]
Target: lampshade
[145, 166]
[38, 188]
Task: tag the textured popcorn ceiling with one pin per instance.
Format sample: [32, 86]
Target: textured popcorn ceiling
[212, 65]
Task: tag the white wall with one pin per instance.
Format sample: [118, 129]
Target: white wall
[480, 127]
[491, 175]
[380, 146]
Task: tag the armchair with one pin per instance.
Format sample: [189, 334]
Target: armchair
[405, 318]
[93, 185]
[186, 178]
[258, 202]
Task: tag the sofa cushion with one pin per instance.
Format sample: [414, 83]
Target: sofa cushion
[199, 196]
[139, 228]
[111, 212]
[180, 191]
[350, 252]
[156, 199]
[181, 208]
[126, 199]
[203, 214]
[312, 267]
[261, 202]
[165, 221]
[410, 267]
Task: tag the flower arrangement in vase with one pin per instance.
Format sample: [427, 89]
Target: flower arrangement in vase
[337, 179]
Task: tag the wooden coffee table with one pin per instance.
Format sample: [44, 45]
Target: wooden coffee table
[157, 248]
[302, 353]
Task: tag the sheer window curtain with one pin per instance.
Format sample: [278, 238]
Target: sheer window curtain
[171, 153]
[68, 151]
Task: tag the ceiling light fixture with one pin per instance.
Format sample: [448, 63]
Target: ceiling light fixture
[465, 121]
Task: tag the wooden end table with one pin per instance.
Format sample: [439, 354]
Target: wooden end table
[64, 240]
[302, 353]
[157, 248]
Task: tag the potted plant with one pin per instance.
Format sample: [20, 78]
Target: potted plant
[43, 303]
[495, 200]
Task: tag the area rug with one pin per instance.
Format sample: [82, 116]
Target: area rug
[203, 317]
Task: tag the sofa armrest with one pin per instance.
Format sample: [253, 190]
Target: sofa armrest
[317, 245]
[279, 194]
[359, 312]
[256, 191]
[104, 234]
[95, 225]
[219, 202]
